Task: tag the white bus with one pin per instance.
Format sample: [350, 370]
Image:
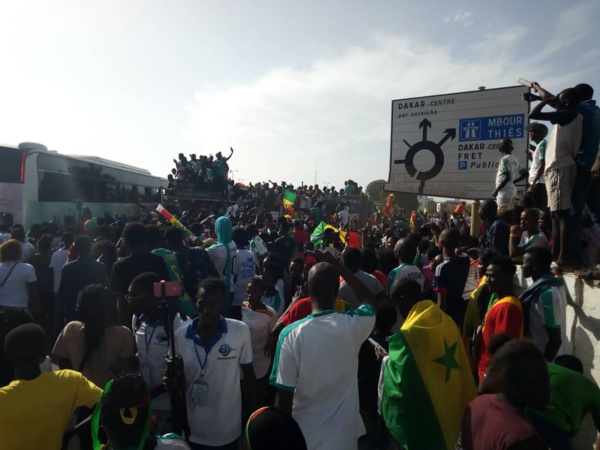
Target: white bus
[38, 185]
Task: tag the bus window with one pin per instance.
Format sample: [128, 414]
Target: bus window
[11, 169]
[55, 187]
[148, 194]
[108, 192]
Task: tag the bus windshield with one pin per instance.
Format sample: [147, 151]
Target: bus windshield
[11, 168]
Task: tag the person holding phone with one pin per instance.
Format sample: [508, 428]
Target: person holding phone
[152, 339]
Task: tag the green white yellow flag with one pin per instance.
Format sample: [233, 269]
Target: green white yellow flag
[427, 381]
[289, 197]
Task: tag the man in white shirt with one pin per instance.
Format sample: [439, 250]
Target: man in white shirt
[537, 182]
[508, 169]
[560, 170]
[352, 261]
[243, 271]
[316, 362]
[545, 303]
[343, 216]
[213, 350]
[152, 342]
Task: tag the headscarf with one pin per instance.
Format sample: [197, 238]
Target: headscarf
[223, 229]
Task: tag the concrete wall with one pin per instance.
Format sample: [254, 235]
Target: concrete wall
[583, 332]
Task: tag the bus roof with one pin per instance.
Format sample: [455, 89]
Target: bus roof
[33, 147]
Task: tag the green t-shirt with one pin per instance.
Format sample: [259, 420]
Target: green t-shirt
[219, 167]
[573, 396]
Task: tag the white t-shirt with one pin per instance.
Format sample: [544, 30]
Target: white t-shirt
[539, 156]
[258, 248]
[260, 323]
[373, 285]
[218, 255]
[214, 401]
[343, 215]
[563, 144]
[406, 271]
[508, 166]
[152, 342]
[27, 250]
[14, 293]
[244, 270]
[549, 311]
[5, 237]
[537, 240]
[317, 359]
[57, 261]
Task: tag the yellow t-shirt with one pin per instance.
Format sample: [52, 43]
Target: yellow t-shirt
[34, 414]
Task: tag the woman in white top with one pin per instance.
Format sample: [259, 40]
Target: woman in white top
[18, 284]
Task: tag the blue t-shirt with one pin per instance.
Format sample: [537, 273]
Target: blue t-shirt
[590, 137]
[451, 277]
[498, 236]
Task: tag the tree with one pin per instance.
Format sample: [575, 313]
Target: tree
[375, 190]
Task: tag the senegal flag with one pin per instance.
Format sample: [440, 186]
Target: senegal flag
[289, 197]
[427, 381]
[317, 235]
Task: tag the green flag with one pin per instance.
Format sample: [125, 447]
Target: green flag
[427, 381]
[289, 197]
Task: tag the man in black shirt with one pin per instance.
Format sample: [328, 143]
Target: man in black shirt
[138, 260]
[76, 275]
[284, 245]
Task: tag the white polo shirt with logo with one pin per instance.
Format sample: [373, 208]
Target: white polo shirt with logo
[317, 359]
[213, 395]
[152, 342]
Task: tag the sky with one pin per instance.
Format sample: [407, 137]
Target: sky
[301, 90]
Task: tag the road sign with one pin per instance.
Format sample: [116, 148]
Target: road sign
[447, 145]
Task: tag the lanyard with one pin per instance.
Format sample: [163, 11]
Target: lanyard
[202, 364]
[146, 340]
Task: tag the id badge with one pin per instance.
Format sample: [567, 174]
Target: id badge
[200, 393]
[146, 374]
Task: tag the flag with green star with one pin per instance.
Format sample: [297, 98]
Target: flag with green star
[427, 381]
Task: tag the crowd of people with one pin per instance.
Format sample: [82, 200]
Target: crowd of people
[307, 331]
[262, 306]
[564, 174]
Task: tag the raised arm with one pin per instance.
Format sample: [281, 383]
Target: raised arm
[537, 113]
[360, 290]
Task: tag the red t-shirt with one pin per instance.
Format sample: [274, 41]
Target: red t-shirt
[505, 316]
[381, 277]
[301, 236]
[493, 424]
[302, 308]
[299, 310]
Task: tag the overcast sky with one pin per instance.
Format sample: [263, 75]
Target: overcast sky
[292, 86]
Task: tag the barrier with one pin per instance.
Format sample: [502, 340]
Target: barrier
[583, 333]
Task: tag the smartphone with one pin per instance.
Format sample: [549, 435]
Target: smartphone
[171, 289]
[378, 346]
